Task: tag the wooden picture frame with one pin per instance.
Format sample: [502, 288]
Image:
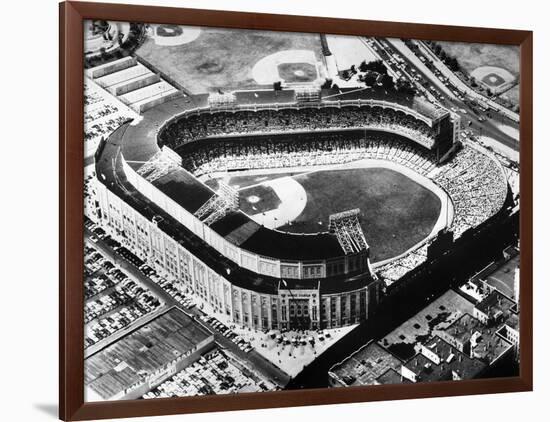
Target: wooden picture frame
[71, 358]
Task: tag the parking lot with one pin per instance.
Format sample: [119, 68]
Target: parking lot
[218, 372]
[114, 301]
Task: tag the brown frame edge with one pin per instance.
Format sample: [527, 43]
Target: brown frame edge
[71, 362]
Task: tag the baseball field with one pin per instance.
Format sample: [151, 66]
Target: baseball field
[225, 59]
[396, 211]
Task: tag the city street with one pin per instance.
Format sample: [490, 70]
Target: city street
[263, 366]
[488, 128]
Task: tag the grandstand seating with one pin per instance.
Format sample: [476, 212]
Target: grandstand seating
[133, 83]
[148, 93]
[477, 187]
[474, 182]
[199, 126]
[331, 148]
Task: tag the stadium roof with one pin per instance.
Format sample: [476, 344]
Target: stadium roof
[138, 144]
[415, 103]
[115, 180]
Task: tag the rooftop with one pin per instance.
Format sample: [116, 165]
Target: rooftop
[430, 321]
[141, 353]
[391, 376]
[503, 278]
[366, 365]
[452, 364]
[496, 306]
[485, 345]
[416, 103]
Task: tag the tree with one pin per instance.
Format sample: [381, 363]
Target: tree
[404, 87]
[352, 69]
[345, 75]
[277, 86]
[370, 78]
[452, 62]
[376, 66]
[387, 82]
[363, 66]
[327, 84]
[437, 49]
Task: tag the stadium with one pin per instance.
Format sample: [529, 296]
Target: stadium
[287, 210]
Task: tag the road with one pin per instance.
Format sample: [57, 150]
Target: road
[256, 361]
[488, 128]
[460, 84]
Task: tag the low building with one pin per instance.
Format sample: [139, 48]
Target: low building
[143, 359]
[477, 340]
[440, 361]
[370, 365]
[495, 308]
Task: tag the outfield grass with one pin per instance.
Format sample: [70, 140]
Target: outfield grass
[222, 58]
[473, 55]
[396, 212]
[512, 94]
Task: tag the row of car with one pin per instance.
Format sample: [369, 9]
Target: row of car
[168, 286]
[227, 332]
[123, 294]
[114, 300]
[100, 274]
[105, 327]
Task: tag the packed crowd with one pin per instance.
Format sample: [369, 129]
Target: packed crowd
[323, 149]
[199, 126]
[214, 373]
[477, 187]
[398, 268]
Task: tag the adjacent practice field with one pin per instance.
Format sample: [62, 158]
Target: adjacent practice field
[223, 59]
[396, 212]
[472, 55]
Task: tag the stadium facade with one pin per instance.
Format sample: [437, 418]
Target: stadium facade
[149, 197]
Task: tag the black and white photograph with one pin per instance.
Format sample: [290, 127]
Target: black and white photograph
[270, 210]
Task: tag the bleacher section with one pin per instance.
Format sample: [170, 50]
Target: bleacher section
[134, 84]
[474, 181]
[477, 187]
